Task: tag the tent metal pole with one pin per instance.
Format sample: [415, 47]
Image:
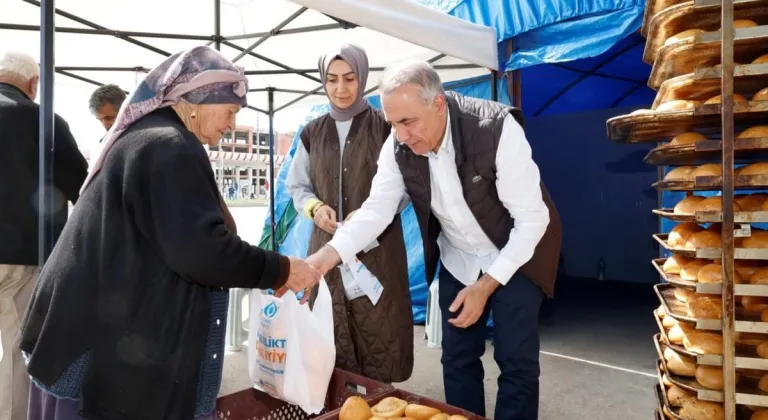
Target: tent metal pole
[95, 26]
[46, 134]
[109, 32]
[494, 86]
[267, 59]
[298, 92]
[269, 34]
[286, 31]
[272, 224]
[311, 92]
[373, 69]
[104, 69]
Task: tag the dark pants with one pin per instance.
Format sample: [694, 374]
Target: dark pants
[515, 310]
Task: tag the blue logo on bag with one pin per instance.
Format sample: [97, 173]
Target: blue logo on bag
[270, 310]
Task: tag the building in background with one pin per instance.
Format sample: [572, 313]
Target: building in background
[241, 162]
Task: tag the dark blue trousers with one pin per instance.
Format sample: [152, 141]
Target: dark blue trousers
[515, 309]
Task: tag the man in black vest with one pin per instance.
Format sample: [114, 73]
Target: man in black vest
[467, 167]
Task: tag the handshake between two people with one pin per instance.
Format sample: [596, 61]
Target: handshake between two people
[305, 274]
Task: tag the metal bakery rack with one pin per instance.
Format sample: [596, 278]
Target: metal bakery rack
[709, 63]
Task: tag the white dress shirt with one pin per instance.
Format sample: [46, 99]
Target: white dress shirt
[465, 249]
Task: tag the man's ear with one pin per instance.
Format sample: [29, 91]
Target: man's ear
[32, 87]
[440, 103]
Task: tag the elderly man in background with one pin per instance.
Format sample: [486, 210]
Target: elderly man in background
[105, 103]
[19, 76]
[483, 212]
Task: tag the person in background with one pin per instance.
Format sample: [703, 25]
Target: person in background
[129, 316]
[105, 103]
[329, 179]
[483, 213]
[19, 189]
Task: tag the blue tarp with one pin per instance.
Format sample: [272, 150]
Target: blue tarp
[597, 39]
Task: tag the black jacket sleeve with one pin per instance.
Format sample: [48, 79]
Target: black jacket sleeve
[181, 213]
[69, 165]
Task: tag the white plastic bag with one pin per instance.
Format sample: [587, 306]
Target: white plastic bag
[291, 349]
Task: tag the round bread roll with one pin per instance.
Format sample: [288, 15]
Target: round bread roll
[678, 396]
[680, 234]
[710, 377]
[702, 342]
[355, 408]
[441, 416]
[688, 204]
[754, 303]
[743, 23]
[690, 33]
[682, 173]
[420, 412]
[758, 168]
[713, 273]
[761, 95]
[755, 132]
[718, 99]
[747, 268]
[760, 414]
[758, 239]
[762, 385]
[687, 138]
[389, 407]
[714, 203]
[708, 169]
[668, 322]
[705, 307]
[762, 350]
[705, 239]
[760, 276]
[696, 409]
[683, 294]
[679, 365]
[749, 202]
[676, 105]
[762, 59]
[675, 264]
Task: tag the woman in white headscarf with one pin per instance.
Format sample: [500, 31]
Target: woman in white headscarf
[329, 179]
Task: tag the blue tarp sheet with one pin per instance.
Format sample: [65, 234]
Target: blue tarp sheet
[594, 56]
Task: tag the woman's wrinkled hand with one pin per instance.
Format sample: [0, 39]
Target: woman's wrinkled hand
[325, 219]
[303, 276]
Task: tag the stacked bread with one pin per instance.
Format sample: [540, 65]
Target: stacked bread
[356, 408]
[741, 203]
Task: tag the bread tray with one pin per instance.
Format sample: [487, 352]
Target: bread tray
[652, 8]
[708, 288]
[651, 126]
[704, 84]
[744, 217]
[703, 50]
[661, 402]
[681, 17]
[707, 151]
[713, 183]
[747, 321]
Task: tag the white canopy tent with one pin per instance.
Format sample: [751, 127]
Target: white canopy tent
[277, 41]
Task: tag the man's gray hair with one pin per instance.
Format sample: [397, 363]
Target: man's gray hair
[107, 94]
[18, 66]
[415, 72]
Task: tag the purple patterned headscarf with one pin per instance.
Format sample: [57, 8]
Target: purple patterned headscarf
[200, 75]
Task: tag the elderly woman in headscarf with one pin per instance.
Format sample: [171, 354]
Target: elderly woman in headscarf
[128, 318]
[330, 178]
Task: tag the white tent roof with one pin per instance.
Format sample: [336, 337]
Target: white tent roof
[438, 32]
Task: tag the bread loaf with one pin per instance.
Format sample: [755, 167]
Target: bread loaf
[749, 339]
[762, 385]
[755, 132]
[758, 168]
[705, 239]
[675, 264]
[705, 306]
[747, 268]
[743, 23]
[355, 408]
[681, 173]
[761, 95]
[457, 417]
[764, 316]
[762, 349]
[679, 365]
[680, 234]
[441, 416]
[754, 303]
[760, 414]
[676, 105]
[708, 169]
[761, 60]
[760, 276]
[677, 334]
[749, 202]
[389, 407]
[696, 409]
[687, 139]
[714, 203]
[668, 322]
[688, 34]
[718, 99]
[688, 204]
[678, 396]
[713, 273]
[758, 239]
[683, 294]
[702, 342]
[711, 377]
[420, 412]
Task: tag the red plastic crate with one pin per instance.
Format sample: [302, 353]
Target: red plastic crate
[411, 399]
[251, 404]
